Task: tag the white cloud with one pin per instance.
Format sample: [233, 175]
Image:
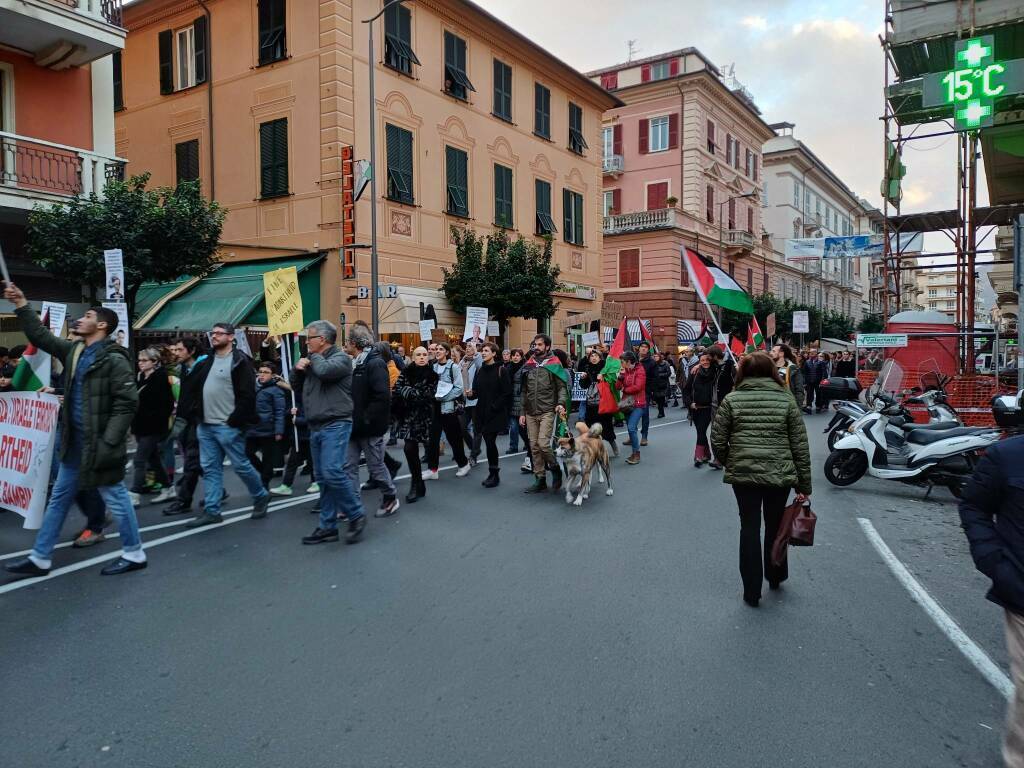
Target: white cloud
[759, 23]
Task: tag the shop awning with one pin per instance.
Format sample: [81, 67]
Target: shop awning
[401, 314]
[232, 294]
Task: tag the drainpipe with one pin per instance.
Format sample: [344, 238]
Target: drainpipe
[209, 94]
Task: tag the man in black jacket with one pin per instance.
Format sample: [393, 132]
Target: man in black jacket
[221, 398]
[992, 516]
[647, 361]
[371, 416]
[187, 352]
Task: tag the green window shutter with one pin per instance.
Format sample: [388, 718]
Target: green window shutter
[398, 53]
[567, 215]
[271, 19]
[456, 173]
[274, 158]
[503, 196]
[578, 219]
[118, 83]
[199, 28]
[166, 62]
[400, 164]
[545, 223]
[502, 90]
[186, 160]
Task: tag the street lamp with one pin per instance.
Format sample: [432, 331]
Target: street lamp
[374, 276]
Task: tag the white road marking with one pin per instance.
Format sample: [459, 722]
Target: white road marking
[275, 505]
[981, 661]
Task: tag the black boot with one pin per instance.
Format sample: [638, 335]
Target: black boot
[393, 465]
[417, 490]
[492, 480]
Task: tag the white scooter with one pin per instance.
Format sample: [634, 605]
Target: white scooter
[928, 457]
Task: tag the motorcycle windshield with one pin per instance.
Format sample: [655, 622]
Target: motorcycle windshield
[889, 381]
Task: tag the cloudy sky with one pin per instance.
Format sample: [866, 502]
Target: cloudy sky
[815, 63]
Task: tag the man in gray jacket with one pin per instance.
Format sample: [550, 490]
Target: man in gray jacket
[325, 378]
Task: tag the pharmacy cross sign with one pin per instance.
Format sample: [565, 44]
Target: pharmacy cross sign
[973, 85]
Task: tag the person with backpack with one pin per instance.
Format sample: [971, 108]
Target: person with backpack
[789, 372]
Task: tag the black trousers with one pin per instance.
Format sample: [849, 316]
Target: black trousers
[295, 459]
[812, 396]
[192, 470]
[660, 402]
[491, 441]
[267, 458]
[412, 458]
[702, 417]
[451, 426]
[606, 420]
[753, 501]
[92, 506]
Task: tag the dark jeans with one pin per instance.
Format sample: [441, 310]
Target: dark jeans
[491, 441]
[645, 424]
[812, 396]
[513, 434]
[752, 500]
[452, 428]
[192, 470]
[147, 448]
[702, 416]
[262, 454]
[295, 459]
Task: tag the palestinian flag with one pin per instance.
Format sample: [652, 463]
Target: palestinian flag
[33, 371]
[714, 285]
[645, 335]
[736, 346]
[754, 335]
[608, 387]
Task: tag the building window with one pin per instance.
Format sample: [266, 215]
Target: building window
[271, 30]
[502, 90]
[186, 161]
[274, 158]
[684, 279]
[732, 213]
[456, 82]
[749, 164]
[608, 141]
[710, 205]
[572, 215]
[796, 227]
[400, 164]
[576, 141]
[750, 219]
[933, 305]
[736, 154]
[658, 133]
[796, 194]
[182, 54]
[732, 270]
[629, 268]
[118, 83]
[610, 81]
[398, 52]
[711, 137]
[545, 223]
[541, 111]
[657, 196]
[457, 179]
[609, 202]
[185, 58]
[660, 70]
[750, 280]
[728, 149]
[503, 195]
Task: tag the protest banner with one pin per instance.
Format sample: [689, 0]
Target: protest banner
[591, 339]
[284, 302]
[492, 329]
[28, 423]
[55, 314]
[426, 326]
[476, 325]
[114, 261]
[123, 332]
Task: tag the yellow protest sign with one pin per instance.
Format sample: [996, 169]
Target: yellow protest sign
[284, 302]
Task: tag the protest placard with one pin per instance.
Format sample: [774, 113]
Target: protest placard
[123, 332]
[476, 324]
[426, 326]
[55, 314]
[114, 261]
[28, 423]
[284, 302]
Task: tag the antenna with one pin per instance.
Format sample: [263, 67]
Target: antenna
[631, 47]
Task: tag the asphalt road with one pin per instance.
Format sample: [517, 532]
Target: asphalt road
[488, 628]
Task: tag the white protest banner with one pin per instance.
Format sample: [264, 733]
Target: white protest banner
[476, 324]
[426, 326]
[492, 329]
[55, 314]
[591, 339]
[114, 260]
[28, 423]
[123, 332]
[801, 321]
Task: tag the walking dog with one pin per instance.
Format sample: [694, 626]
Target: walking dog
[579, 456]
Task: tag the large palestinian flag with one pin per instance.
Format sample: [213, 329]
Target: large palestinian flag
[714, 285]
[33, 371]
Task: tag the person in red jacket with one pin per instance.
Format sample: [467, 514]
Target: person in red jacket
[633, 383]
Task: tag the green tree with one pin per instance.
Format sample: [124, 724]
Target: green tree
[831, 323]
[512, 278]
[873, 323]
[164, 233]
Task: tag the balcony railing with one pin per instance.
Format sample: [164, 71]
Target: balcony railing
[739, 238]
[612, 164]
[108, 10]
[877, 281]
[34, 167]
[661, 218]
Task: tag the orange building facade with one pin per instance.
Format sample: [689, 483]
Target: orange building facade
[266, 102]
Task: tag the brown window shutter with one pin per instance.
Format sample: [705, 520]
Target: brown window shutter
[617, 200]
[645, 73]
[617, 139]
[673, 131]
[644, 127]
[673, 67]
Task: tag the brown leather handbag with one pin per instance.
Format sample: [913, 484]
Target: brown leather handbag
[795, 530]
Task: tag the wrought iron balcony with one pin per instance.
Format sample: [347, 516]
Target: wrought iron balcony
[108, 10]
[612, 165]
[640, 221]
[33, 170]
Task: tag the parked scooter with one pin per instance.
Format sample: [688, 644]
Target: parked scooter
[928, 455]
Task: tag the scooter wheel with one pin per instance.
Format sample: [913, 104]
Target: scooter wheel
[845, 467]
[833, 437]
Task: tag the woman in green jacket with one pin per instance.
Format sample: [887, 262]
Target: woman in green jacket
[759, 435]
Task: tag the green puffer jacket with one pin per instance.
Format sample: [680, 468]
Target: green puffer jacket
[759, 435]
[110, 398]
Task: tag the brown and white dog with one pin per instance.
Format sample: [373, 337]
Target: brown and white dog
[579, 456]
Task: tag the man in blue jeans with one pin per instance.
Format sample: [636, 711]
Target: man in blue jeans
[221, 400]
[324, 377]
[100, 398]
[648, 363]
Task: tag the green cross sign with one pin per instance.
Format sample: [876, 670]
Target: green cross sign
[971, 89]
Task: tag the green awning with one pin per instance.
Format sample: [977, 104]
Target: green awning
[150, 293]
[234, 294]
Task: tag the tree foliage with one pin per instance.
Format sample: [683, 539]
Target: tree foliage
[164, 233]
[831, 323]
[874, 323]
[512, 278]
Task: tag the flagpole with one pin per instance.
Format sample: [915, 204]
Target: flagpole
[696, 287]
[286, 360]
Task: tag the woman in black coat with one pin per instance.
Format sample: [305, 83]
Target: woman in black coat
[703, 390]
[493, 390]
[590, 368]
[661, 372]
[152, 419]
[412, 415]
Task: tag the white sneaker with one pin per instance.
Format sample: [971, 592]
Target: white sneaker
[464, 470]
[135, 498]
[167, 494]
[428, 475]
[282, 490]
[313, 488]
